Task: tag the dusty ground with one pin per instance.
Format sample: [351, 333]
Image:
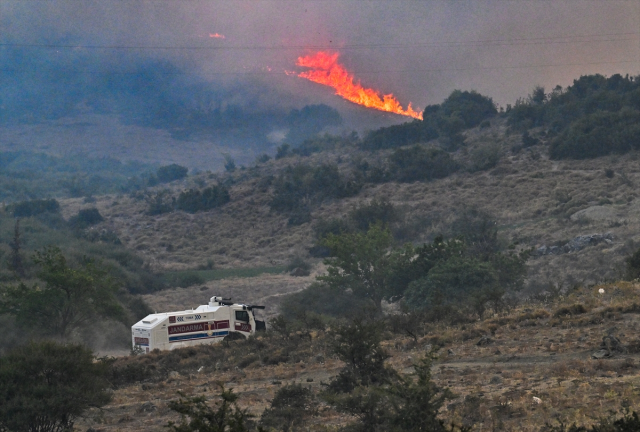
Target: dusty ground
[265, 290]
[535, 351]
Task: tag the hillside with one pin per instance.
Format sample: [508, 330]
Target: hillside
[502, 242]
[535, 201]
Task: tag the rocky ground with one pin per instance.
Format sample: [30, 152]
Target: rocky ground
[538, 363]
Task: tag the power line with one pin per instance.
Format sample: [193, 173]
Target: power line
[536, 66]
[614, 37]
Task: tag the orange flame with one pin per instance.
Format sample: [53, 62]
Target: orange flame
[327, 71]
[216, 35]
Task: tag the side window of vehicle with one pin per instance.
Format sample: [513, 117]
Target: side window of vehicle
[242, 316]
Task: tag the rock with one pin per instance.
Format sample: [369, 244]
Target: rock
[148, 407]
[126, 419]
[299, 271]
[542, 250]
[612, 344]
[484, 340]
[595, 213]
[600, 354]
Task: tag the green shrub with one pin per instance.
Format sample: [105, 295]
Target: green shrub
[86, 218]
[198, 416]
[632, 270]
[46, 386]
[299, 216]
[454, 281]
[161, 202]
[598, 134]
[297, 263]
[290, 408]
[376, 211]
[418, 163]
[283, 151]
[169, 173]
[34, 207]
[485, 157]
[358, 345]
[301, 185]
[593, 117]
[193, 200]
[320, 298]
[460, 111]
[335, 226]
[184, 279]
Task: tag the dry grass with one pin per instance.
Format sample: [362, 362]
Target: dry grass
[495, 383]
[532, 197]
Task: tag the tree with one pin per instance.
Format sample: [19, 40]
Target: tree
[70, 298]
[361, 262]
[225, 416]
[458, 280]
[15, 262]
[632, 270]
[45, 386]
[229, 163]
[415, 403]
[358, 345]
[169, 173]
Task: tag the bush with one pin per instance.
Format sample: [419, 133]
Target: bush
[224, 416]
[289, 409]
[34, 207]
[299, 216]
[46, 386]
[377, 211]
[335, 226]
[419, 163]
[485, 157]
[302, 267]
[460, 111]
[320, 298]
[456, 281]
[169, 173]
[358, 345]
[283, 151]
[184, 279]
[160, 203]
[593, 117]
[297, 187]
[471, 107]
[193, 200]
[599, 134]
[632, 270]
[86, 218]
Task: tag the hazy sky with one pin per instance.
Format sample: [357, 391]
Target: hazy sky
[419, 50]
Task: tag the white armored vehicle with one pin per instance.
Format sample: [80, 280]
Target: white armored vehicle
[209, 323]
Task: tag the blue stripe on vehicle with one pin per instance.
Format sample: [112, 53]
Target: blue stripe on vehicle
[197, 336]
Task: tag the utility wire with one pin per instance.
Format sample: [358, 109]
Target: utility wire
[63, 72]
[614, 37]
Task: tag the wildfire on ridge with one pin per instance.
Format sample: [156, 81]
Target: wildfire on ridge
[216, 35]
[326, 70]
